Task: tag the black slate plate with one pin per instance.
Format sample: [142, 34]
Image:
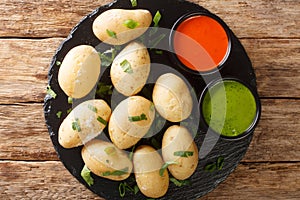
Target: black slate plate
[237, 66]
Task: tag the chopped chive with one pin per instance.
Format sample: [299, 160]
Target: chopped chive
[137, 118]
[131, 24]
[111, 33]
[158, 52]
[126, 66]
[165, 166]
[76, 125]
[183, 153]
[131, 153]
[110, 151]
[102, 121]
[70, 100]
[136, 189]
[107, 57]
[58, 114]
[156, 18]
[92, 108]
[210, 167]
[104, 90]
[133, 3]
[51, 92]
[152, 107]
[220, 162]
[116, 173]
[180, 183]
[69, 110]
[58, 63]
[122, 189]
[86, 175]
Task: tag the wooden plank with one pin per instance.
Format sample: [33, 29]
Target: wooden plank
[50, 180]
[275, 139]
[25, 64]
[248, 18]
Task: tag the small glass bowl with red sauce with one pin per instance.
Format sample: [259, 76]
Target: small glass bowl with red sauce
[200, 43]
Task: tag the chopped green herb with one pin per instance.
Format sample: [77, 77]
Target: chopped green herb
[92, 108]
[159, 52]
[180, 183]
[70, 100]
[220, 163]
[137, 118]
[58, 114]
[86, 175]
[153, 43]
[131, 153]
[152, 107]
[133, 3]
[136, 189]
[116, 173]
[103, 90]
[183, 153]
[156, 18]
[110, 151]
[126, 66]
[123, 187]
[107, 57]
[131, 24]
[51, 92]
[165, 166]
[58, 63]
[102, 121]
[210, 167]
[111, 33]
[76, 125]
[69, 110]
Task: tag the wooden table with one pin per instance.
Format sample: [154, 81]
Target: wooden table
[30, 32]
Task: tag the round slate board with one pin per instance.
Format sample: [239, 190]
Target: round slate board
[210, 145]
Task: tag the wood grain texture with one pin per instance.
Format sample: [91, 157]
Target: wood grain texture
[25, 64]
[54, 18]
[50, 180]
[24, 135]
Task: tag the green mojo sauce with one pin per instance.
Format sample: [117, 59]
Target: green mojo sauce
[229, 108]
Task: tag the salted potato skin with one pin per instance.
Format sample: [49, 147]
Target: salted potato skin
[147, 163]
[177, 138]
[82, 123]
[79, 71]
[131, 82]
[125, 133]
[172, 98]
[114, 19]
[103, 157]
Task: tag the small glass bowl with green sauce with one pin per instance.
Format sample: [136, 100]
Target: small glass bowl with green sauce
[230, 108]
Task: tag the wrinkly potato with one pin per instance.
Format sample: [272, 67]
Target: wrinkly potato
[130, 121]
[147, 164]
[172, 98]
[119, 26]
[106, 160]
[79, 71]
[179, 146]
[130, 69]
[84, 122]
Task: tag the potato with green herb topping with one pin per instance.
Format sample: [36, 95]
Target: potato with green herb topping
[106, 160]
[84, 122]
[130, 121]
[179, 146]
[119, 26]
[130, 69]
[147, 166]
[172, 98]
[79, 71]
